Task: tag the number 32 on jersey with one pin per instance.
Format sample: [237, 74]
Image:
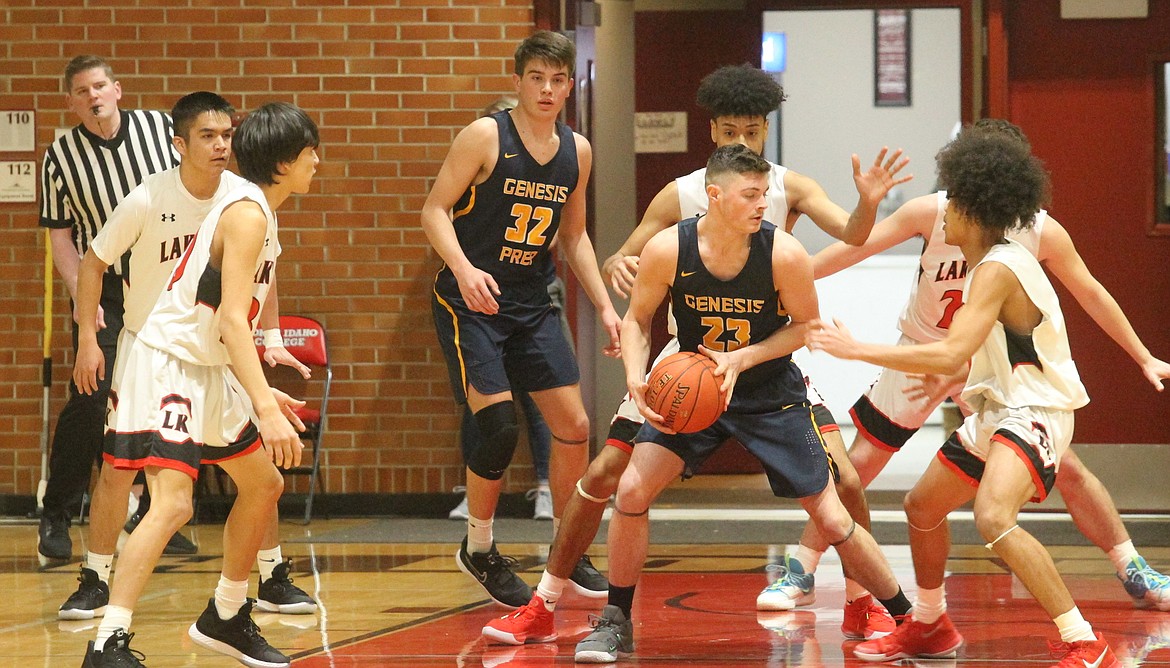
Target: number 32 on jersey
[526, 216]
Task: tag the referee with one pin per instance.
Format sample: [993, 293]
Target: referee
[86, 172]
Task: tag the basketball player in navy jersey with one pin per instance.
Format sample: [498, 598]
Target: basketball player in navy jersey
[510, 183]
[1022, 387]
[739, 99]
[742, 293]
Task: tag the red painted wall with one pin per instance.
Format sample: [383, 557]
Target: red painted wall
[1083, 92]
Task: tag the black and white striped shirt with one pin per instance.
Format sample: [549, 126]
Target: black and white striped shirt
[84, 176]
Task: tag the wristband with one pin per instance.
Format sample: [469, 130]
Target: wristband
[273, 339]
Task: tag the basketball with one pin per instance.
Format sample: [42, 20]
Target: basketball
[684, 390]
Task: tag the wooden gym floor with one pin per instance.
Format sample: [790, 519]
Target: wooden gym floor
[405, 603]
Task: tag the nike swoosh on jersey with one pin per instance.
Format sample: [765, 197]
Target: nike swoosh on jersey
[688, 273]
[510, 155]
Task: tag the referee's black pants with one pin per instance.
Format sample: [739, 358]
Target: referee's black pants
[81, 426]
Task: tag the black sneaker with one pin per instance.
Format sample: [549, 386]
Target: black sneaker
[587, 580]
[177, 545]
[116, 653]
[89, 600]
[494, 573]
[54, 542]
[238, 637]
[279, 594]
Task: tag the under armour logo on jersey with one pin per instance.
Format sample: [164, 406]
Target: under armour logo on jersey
[168, 217]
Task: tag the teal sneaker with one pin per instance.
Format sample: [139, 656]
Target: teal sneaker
[1148, 587]
[792, 587]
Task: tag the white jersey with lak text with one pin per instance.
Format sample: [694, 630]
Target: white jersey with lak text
[937, 292]
[185, 319]
[155, 223]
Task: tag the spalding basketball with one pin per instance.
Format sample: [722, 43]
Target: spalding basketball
[684, 390]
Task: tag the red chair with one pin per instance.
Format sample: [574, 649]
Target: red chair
[305, 339]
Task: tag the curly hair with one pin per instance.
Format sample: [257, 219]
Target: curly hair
[1002, 127]
[995, 179]
[739, 90]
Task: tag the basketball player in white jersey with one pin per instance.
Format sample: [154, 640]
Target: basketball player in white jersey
[898, 404]
[176, 402]
[739, 99]
[155, 223]
[1022, 386]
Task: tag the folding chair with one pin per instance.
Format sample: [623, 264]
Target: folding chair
[304, 338]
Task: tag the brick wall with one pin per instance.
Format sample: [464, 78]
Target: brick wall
[390, 84]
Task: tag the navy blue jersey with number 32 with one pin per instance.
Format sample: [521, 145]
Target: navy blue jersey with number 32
[506, 224]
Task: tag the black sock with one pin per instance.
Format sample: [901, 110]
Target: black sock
[898, 606]
[622, 597]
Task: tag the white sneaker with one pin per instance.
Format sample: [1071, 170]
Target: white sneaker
[542, 502]
[459, 512]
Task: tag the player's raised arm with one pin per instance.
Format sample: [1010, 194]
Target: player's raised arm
[1060, 256]
[621, 267]
[469, 161]
[807, 197]
[578, 250]
[914, 218]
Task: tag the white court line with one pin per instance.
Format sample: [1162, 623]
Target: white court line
[797, 514]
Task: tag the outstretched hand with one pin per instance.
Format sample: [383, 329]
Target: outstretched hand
[833, 338]
[881, 177]
[1156, 371]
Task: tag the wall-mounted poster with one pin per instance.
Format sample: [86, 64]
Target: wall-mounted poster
[891, 58]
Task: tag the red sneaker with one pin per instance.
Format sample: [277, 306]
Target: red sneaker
[530, 623]
[1085, 654]
[912, 639]
[866, 619]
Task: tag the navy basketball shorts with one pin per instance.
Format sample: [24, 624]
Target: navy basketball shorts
[522, 347]
[786, 441]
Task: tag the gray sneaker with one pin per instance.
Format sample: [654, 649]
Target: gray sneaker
[612, 635]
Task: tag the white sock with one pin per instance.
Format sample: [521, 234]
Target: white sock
[1072, 626]
[266, 561]
[808, 557]
[929, 605]
[1121, 554]
[550, 589]
[479, 535]
[230, 596]
[116, 618]
[101, 564]
[854, 591]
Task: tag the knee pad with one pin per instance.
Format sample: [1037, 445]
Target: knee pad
[498, 433]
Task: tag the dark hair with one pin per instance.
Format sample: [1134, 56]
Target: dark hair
[739, 90]
[1001, 127]
[273, 134]
[187, 110]
[551, 47]
[735, 159]
[993, 178]
[82, 64]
